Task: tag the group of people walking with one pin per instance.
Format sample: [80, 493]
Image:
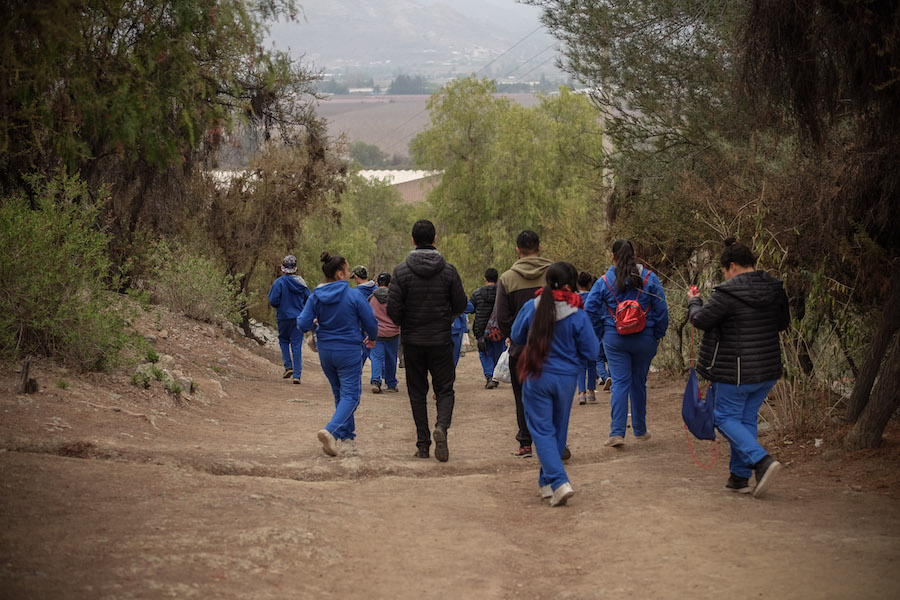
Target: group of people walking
[559, 328]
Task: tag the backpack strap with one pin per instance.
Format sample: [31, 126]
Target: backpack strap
[611, 291]
[643, 285]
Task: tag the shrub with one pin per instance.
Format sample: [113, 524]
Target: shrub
[55, 268]
[141, 380]
[152, 355]
[192, 284]
[62, 384]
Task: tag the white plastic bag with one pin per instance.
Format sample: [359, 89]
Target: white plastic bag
[501, 369]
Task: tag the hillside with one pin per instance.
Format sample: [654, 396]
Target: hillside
[429, 37]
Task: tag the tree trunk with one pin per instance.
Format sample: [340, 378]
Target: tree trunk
[884, 402]
[887, 327]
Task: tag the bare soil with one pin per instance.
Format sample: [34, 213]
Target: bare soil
[111, 491]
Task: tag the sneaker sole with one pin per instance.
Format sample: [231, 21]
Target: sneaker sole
[615, 444]
[766, 480]
[743, 490]
[296, 382]
[562, 501]
[441, 452]
[326, 443]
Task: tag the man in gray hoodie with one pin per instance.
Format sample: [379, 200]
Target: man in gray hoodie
[424, 296]
[516, 287]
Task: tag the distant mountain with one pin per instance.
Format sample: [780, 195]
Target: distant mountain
[428, 37]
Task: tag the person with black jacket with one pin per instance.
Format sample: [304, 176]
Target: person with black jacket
[488, 350]
[741, 356]
[424, 297]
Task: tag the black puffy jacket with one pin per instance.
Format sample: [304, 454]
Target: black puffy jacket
[483, 301]
[741, 322]
[425, 295]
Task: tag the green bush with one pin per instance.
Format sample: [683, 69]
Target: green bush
[141, 380]
[152, 355]
[55, 269]
[192, 284]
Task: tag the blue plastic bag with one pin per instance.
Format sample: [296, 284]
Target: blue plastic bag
[697, 412]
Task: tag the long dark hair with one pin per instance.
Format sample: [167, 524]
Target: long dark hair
[626, 268]
[540, 337]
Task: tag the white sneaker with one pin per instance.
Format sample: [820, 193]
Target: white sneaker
[329, 444]
[546, 492]
[614, 440]
[561, 495]
[591, 398]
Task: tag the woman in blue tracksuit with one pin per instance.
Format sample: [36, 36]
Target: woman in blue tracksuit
[629, 355]
[558, 340]
[343, 319]
[288, 296]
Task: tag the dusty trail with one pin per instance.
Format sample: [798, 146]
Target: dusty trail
[230, 496]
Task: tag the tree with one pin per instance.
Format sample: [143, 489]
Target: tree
[404, 84]
[268, 202]
[135, 95]
[833, 67]
[368, 156]
[505, 167]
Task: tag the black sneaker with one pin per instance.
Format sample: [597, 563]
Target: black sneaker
[487, 383]
[441, 452]
[392, 390]
[421, 454]
[523, 452]
[741, 485]
[765, 472]
[567, 454]
[287, 373]
[493, 384]
[376, 387]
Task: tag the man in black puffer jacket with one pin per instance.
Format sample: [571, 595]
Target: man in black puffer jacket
[425, 295]
[741, 356]
[488, 350]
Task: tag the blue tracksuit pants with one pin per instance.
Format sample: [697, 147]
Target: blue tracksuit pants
[290, 338]
[588, 378]
[490, 358]
[737, 407]
[457, 346]
[629, 358]
[343, 370]
[548, 403]
[384, 361]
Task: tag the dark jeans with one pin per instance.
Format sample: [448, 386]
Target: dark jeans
[523, 436]
[420, 361]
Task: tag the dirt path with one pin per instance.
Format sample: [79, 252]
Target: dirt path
[230, 496]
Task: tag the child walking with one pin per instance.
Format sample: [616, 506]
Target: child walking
[288, 296]
[558, 340]
[343, 319]
[384, 355]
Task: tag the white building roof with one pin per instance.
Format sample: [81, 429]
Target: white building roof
[395, 177]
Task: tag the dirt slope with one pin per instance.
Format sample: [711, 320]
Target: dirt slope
[110, 491]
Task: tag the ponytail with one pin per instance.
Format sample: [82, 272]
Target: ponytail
[543, 326]
[331, 264]
[626, 267]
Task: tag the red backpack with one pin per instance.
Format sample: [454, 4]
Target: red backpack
[629, 316]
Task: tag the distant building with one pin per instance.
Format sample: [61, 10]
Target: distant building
[413, 186]
[362, 90]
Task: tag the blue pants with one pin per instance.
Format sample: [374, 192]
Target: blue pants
[290, 338]
[457, 346]
[588, 378]
[343, 369]
[629, 359]
[548, 403]
[384, 361]
[489, 359]
[737, 407]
